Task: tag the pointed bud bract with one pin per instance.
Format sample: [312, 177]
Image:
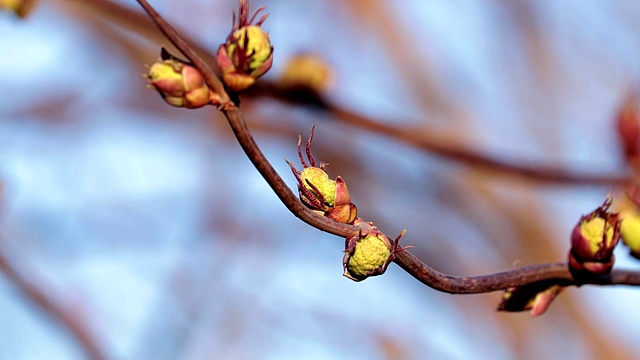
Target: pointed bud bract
[535, 297]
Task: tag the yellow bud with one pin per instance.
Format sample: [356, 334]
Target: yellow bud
[19, 7]
[258, 46]
[306, 71]
[593, 231]
[180, 84]
[369, 256]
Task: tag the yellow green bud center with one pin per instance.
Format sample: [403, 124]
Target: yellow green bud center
[258, 45]
[164, 70]
[593, 231]
[321, 181]
[370, 254]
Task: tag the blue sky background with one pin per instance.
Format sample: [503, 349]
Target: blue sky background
[148, 224]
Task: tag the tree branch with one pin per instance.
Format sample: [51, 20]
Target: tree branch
[431, 141]
[407, 261]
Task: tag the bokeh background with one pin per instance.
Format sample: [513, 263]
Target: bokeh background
[148, 227]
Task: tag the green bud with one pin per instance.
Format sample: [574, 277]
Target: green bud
[369, 255]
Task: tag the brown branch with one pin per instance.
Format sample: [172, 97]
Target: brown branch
[407, 261]
[68, 321]
[512, 278]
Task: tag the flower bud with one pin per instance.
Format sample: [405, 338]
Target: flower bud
[366, 256]
[630, 232]
[320, 193]
[306, 72]
[179, 83]
[19, 7]
[369, 254]
[247, 54]
[593, 240]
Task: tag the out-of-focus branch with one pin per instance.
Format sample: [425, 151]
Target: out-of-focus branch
[430, 141]
[78, 330]
[558, 272]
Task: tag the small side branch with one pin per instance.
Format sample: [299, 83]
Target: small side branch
[69, 321]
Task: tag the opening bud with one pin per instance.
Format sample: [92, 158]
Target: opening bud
[319, 192]
[247, 54]
[593, 240]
